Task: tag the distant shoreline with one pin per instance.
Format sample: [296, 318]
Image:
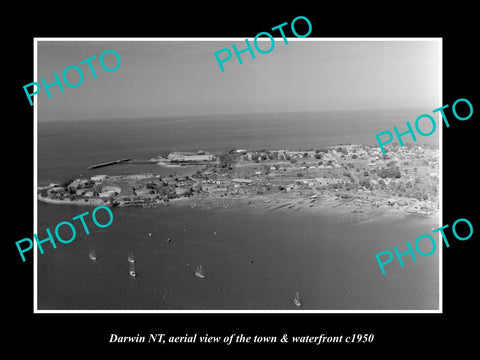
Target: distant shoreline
[415, 110]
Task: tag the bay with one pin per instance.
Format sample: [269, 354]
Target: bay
[253, 258]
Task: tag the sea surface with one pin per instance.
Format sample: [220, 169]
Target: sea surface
[252, 258]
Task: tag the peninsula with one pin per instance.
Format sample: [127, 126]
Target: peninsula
[356, 178]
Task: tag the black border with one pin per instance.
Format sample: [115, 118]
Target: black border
[403, 333]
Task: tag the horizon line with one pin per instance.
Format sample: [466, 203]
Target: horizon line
[173, 117]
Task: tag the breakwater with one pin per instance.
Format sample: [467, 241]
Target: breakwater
[109, 163]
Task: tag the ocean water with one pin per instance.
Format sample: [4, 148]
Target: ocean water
[67, 149]
[253, 258]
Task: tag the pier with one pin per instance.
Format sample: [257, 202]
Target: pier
[109, 163]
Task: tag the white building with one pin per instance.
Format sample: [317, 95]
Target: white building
[115, 189]
[106, 194]
[99, 177]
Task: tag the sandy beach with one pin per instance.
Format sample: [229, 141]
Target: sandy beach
[271, 204]
[326, 205]
[82, 202]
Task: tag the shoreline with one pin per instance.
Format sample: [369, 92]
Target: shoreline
[264, 203]
[349, 179]
[92, 202]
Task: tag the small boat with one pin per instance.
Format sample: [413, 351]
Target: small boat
[199, 273]
[131, 259]
[92, 255]
[132, 270]
[150, 234]
[296, 299]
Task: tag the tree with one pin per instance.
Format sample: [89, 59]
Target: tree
[226, 160]
[305, 155]
[162, 191]
[67, 182]
[365, 183]
[389, 173]
[151, 185]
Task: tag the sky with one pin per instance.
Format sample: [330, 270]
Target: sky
[183, 78]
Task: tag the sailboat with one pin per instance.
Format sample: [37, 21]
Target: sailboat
[131, 259]
[92, 255]
[199, 273]
[296, 299]
[132, 270]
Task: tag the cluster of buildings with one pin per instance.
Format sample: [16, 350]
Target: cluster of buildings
[405, 177]
[189, 157]
[81, 188]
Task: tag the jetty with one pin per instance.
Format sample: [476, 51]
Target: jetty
[109, 163]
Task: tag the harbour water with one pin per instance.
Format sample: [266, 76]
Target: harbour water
[252, 258]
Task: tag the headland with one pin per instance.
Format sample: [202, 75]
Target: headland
[350, 178]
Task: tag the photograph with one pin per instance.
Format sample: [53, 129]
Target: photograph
[207, 175]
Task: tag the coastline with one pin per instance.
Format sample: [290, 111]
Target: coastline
[256, 201]
[267, 204]
[263, 203]
[352, 179]
[91, 202]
